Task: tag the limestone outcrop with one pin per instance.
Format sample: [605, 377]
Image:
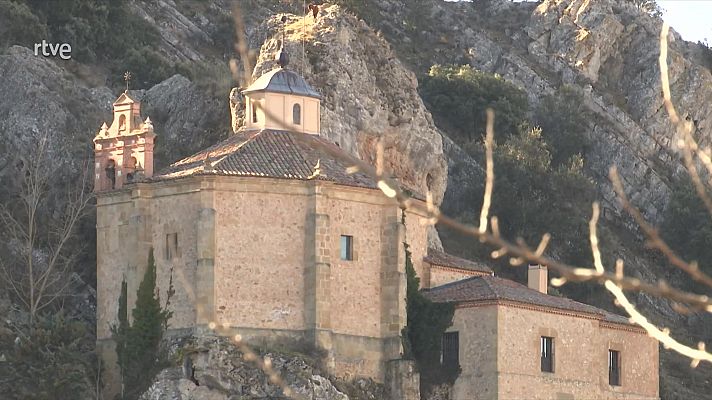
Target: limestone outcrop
[217, 370]
[607, 49]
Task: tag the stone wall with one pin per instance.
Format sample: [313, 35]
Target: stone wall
[581, 345]
[129, 224]
[438, 275]
[477, 329]
[260, 260]
[402, 380]
[112, 225]
[417, 238]
[261, 257]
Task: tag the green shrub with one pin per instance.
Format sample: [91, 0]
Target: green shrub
[532, 197]
[458, 97]
[99, 31]
[147, 66]
[562, 118]
[18, 25]
[52, 359]
[687, 225]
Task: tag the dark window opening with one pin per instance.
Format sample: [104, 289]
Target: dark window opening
[347, 247]
[171, 246]
[451, 349]
[297, 114]
[254, 111]
[547, 354]
[614, 368]
[111, 173]
[131, 170]
[122, 122]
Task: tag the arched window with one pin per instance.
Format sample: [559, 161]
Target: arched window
[254, 111]
[297, 114]
[122, 122]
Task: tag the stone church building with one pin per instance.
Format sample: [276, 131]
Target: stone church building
[265, 234]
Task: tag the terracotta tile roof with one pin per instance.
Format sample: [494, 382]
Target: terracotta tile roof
[437, 257]
[270, 153]
[491, 288]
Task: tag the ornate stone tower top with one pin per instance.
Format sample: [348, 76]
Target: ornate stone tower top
[282, 100]
[123, 151]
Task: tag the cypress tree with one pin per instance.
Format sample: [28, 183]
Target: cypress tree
[137, 344]
[120, 332]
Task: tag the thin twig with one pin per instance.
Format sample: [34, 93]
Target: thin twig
[654, 239]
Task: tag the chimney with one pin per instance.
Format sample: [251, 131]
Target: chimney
[538, 278]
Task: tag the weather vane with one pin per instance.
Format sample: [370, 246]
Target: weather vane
[127, 78]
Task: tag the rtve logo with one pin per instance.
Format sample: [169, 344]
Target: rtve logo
[63, 50]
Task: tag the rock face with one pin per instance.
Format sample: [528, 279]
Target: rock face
[218, 371]
[368, 95]
[188, 118]
[608, 49]
[39, 101]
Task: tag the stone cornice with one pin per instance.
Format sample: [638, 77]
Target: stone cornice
[247, 184]
[457, 269]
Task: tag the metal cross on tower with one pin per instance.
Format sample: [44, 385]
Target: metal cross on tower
[127, 78]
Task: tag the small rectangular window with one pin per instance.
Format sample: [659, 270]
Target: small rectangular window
[451, 349]
[547, 354]
[614, 368]
[347, 247]
[171, 246]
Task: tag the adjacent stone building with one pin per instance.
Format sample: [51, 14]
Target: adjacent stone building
[517, 342]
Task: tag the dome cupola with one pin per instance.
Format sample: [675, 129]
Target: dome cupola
[281, 99]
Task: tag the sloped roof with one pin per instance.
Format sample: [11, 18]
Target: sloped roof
[437, 257]
[491, 288]
[282, 80]
[124, 99]
[270, 153]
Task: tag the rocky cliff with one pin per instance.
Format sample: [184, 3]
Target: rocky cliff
[217, 369]
[606, 49]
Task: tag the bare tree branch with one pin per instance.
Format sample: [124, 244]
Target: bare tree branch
[38, 274]
[654, 239]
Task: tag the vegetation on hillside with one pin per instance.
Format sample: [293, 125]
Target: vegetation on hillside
[103, 32]
[541, 186]
[687, 225]
[562, 117]
[459, 95]
[51, 358]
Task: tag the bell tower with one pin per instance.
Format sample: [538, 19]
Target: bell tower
[123, 152]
